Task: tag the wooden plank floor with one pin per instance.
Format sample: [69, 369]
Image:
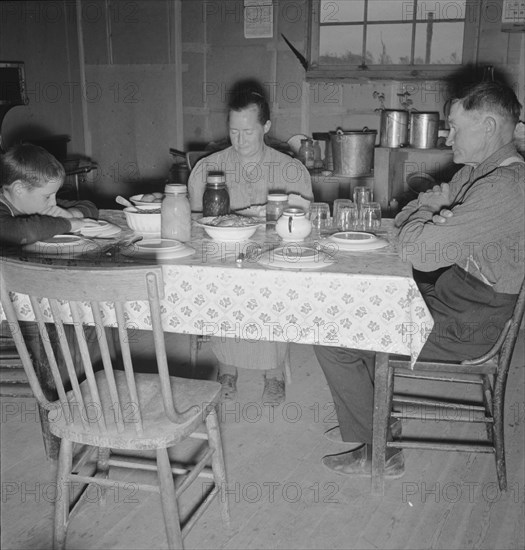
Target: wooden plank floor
[281, 496]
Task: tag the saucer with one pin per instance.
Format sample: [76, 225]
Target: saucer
[296, 257]
[357, 241]
[62, 245]
[159, 249]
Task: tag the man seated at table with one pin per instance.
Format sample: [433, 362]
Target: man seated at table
[252, 171]
[465, 240]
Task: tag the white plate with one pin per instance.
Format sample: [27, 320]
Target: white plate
[62, 245]
[103, 230]
[357, 241]
[161, 249]
[354, 237]
[296, 257]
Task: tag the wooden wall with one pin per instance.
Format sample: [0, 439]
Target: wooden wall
[128, 80]
[216, 55]
[104, 73]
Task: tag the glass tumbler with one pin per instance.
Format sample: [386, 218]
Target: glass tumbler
[362, 195]
[345, 215]
[371, 216]
[319, 215]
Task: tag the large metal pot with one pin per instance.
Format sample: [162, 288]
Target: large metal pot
[424, 129]
[394, 128]
[353, 151]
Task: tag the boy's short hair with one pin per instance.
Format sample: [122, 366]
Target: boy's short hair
[31, 164]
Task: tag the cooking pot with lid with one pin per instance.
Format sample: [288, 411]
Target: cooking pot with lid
[353, 151]
[424, 128]
[394, 128]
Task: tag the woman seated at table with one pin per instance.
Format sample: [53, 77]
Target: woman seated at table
[29, 210]
[252, 170]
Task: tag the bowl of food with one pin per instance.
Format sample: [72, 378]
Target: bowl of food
[147, 199]
[143, 221]
[230, 228]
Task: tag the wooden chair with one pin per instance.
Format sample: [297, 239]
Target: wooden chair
[489, 372]
[112, 408]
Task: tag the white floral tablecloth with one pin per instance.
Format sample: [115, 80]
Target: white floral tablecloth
[365, 300]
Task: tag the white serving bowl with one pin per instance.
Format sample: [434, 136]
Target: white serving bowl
[230, 234]
[142, 221]
[137, 201]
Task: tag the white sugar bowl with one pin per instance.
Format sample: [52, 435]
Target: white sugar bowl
[293, 225]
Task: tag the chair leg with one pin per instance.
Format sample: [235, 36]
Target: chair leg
[194, 351]
[499, 440]
[489, 409]
[170, 507]
[65, 463]
[217, 464]
[288, 366]
[383, 392]
[103, 471]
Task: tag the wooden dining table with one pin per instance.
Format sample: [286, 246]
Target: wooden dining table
[357, 299]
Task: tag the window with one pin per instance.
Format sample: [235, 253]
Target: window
[391, 38]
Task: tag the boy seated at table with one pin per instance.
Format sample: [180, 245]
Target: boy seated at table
[29, 210]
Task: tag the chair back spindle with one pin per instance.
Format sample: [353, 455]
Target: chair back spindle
[71, 307]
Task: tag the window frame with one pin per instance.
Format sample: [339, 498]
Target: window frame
[391, 72]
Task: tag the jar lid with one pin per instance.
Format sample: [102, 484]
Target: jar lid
[278, 197]
[175, 189]
[293, 211]
[215, 177]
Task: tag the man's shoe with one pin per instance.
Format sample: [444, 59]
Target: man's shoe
[334, 434]
[274, 392]
[359, 463]
[228, 387]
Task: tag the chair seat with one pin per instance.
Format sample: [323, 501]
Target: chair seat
[159, 431]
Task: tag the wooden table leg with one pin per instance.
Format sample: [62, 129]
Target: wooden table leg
[382, 406]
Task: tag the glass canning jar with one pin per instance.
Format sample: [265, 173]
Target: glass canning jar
[275, 206]
[175, 213]
[216, 199]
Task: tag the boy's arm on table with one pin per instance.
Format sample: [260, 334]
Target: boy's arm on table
[79, 209]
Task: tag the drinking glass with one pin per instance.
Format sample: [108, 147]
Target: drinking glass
[319, 215]
[345, 215]
[371, 216]
[362, 195]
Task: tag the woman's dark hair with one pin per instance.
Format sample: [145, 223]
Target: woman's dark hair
[30, 164]
[250, 98]
[495, 97]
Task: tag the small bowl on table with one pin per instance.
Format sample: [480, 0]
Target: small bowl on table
[234, 233]
[144, 220]
[147, 199]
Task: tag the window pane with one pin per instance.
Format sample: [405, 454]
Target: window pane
[441, 10]
[446, 44]
[398, 10]
[339, 45]
[337, 11]
[389, 44]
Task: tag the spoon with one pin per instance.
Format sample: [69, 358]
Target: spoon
[124, 202]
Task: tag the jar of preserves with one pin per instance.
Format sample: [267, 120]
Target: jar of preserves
[216, 199]
[306, 153]
[275, 206]
[175, 213]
